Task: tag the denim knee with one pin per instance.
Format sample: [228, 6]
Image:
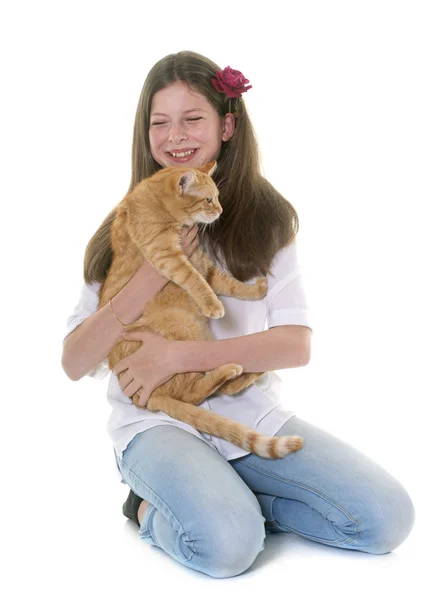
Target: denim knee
[232, 544]
[390, 521]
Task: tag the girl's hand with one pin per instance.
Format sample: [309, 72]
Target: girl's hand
[155, 362]
[189, 239]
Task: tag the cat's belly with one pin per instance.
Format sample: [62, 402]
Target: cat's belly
[175, 315]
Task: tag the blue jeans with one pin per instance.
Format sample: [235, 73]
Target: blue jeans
[212, 515]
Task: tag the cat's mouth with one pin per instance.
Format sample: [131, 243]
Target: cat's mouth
[206, 220]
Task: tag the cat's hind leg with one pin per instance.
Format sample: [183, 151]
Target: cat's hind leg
[203, 387]
[238, 384]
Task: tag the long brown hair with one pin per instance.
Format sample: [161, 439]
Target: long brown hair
[256, 220]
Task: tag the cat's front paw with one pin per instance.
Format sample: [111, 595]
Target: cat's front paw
[234, 371]
[213, 309]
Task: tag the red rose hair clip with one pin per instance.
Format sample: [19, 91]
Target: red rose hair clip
[230, 82]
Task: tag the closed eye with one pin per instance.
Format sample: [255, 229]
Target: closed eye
[163, 122]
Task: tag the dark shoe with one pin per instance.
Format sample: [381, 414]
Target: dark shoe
[131, 506]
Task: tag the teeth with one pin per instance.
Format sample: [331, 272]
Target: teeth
[182, 154]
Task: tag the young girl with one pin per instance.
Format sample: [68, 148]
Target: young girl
[203, 500]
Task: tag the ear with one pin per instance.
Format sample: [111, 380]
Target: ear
[228, 127]
[185, 182]
[208, 168]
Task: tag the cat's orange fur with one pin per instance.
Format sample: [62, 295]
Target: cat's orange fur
[147, 226]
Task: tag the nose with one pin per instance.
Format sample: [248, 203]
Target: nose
[176, 134]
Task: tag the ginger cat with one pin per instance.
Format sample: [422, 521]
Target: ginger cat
[147, 226]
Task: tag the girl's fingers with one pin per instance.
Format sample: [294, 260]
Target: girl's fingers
[132, 388]
[186, 230]
[144, 398]
[125, 379]
[189, 239]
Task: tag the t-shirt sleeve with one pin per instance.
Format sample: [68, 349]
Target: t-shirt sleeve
[86, 306]
[286, 300]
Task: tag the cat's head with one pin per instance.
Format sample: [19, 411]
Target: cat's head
[190, 194]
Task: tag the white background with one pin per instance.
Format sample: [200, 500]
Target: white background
[346, 103]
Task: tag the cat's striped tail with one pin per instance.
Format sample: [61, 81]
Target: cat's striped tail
[209, 422]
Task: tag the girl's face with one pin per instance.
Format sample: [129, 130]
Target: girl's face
[183, 121]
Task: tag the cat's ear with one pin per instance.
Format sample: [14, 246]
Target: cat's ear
[213, 167]
[185, 182]
[208, 168]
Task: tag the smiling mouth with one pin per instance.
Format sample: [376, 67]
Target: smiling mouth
[182, 154]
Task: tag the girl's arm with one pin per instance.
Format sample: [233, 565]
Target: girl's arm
[281, 347]
[91, 342]
[286, 342]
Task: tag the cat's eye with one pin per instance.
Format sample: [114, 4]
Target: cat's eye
[209, 200]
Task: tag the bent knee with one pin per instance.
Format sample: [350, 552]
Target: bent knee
[232, 545]
[389, 523]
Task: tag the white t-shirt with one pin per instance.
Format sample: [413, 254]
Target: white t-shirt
[258, 406]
